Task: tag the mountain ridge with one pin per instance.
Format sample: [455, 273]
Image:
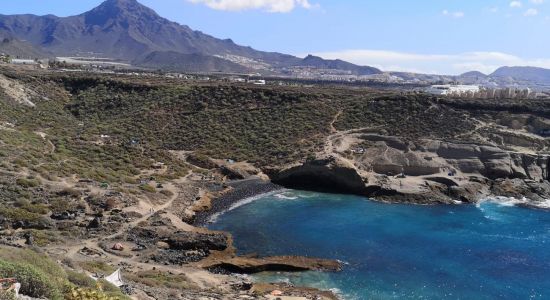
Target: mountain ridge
[127, 30]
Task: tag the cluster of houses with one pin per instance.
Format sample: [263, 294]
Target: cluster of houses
[475, 91]
[239, 79]
[8, 59]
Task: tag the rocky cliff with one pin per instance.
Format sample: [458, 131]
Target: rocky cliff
[421, 171]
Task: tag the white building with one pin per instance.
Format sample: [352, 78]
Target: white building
[450, 89]
[257, 82]
[17, 61]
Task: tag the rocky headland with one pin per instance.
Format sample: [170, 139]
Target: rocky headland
[427, 171]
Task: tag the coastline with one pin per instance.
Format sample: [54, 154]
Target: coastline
[490, 218]
[250, 188]
[241, 193]
[241, 190]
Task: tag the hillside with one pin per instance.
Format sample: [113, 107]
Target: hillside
[17, 48]
[112, 171]
[525, 74]
[320, 63]
[175, 61]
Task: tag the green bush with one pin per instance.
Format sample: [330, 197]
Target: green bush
[32, 207]
[81, 280]
[95, 266]
[5, 295]
[93, 294]
[162, 280]
[28, 183]
[41, 262]
[34, 282]
[148, 188]
[87, 286]
[19, 214]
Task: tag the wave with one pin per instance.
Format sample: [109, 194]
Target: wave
[242, 202]
[511, 201]
[287, 196]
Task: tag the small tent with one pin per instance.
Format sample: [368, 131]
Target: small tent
[115, 278]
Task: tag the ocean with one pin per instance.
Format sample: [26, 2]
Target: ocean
[493, 250]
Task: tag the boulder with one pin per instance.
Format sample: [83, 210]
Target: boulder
[95, 223]
[39, 223]
[186, 240]
[118, 247]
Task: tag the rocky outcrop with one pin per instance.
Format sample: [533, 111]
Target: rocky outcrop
[185, 240]
[326, 175]
[424, 171]
[157, 240]
[150, 236]
[250, 265]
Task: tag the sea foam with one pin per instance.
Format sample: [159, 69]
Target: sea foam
[242, 202]
[511, 201]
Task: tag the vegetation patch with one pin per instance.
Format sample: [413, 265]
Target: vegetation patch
[162, 280]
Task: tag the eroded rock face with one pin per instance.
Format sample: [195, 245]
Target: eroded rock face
[431, 157]
[329, 174]
[424, 171]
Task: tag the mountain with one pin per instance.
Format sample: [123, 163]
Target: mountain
[320, 63]
[121, 29]
[535, 75]
[129, 31]
[19, 49]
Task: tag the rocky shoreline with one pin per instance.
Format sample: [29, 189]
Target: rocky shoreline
[238, 191]
[227, 262]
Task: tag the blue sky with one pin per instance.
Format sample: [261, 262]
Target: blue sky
[434, 36]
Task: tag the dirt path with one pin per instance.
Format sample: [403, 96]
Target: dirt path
[334, 120]
[147, 209]
[201, 278]
[341, 141]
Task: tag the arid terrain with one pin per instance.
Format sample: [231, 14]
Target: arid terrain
[107, 172]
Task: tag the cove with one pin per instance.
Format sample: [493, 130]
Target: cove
[395, 251]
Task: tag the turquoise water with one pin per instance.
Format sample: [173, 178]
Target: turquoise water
[392, 251]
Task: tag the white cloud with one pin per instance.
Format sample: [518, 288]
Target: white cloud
[516, 4]
[531, 12]
[537, 1]
[456, 14]
[276, 6]
[451, 64]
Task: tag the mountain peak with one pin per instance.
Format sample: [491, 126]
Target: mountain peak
[116, 9]
[473, 74]
[120, 3]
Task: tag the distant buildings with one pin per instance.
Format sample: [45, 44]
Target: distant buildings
[450, 89]
[474, 91]
[18, 61]
[257, 81]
